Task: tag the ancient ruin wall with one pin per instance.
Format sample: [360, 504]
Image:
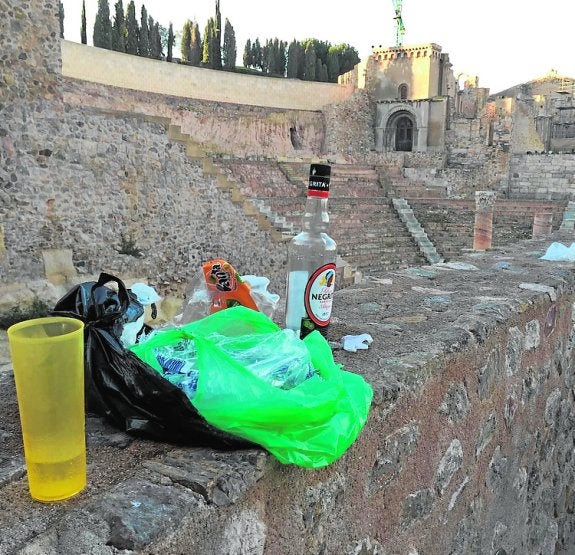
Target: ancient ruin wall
[542, 176]
[123, 70]
[121, 197]
[217, 128]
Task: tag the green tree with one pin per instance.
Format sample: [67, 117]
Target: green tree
[247, 57]
[155, 39]
[265, 57]
[170, 43]
[83, 34]
[282, 57]
[144, 37]
[186, 41]
[257, 54]
[61, 18]
[229, 51]
[318, 69]
[347, 56]
[217, 39]
[119, 28]
[332, 65]
[309, 63]
[293, 59]
[132, 30]
[102, 26]
[195, 45]
[207, 47]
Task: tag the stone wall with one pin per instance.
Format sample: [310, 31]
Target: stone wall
[349, 127]
[123, 70]
[542, 176]
[30, 67]
[218, 128]
[123, 198]
[468, 448]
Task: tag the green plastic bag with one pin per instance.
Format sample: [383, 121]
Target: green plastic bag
[310, 425]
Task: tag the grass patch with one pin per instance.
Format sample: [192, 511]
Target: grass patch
[128, 246]
[38, 309]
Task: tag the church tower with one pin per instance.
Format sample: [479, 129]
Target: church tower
[409, 73]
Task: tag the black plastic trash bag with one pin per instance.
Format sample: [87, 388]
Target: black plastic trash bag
[122, 387]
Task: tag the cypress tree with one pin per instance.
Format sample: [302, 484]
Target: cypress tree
[309, 63]
[102, 26]
[318, 67]
[61, 18]
[257, 54]
[144, 38]
[229, 51]
[217, 39]
[332, 65]
[265, 57]
[119, 28]
[132, 31]
[247, 57]
[155, 39]
[83, 34]
[293, 59]
[282, 57]
[195, 45]
[207, 48]
[186, 38]
[170, 45]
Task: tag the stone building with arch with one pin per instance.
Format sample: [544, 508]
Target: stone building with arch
[410, 86]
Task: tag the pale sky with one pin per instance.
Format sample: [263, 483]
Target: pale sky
[503, 42]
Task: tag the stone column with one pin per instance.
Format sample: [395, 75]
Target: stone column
[542, 224]
[483, 230]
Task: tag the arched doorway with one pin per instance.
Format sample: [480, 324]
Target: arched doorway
[398, 129]
[404, 134]
[400, 132]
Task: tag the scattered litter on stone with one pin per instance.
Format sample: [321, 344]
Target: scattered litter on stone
[560, 252]
[352, 343]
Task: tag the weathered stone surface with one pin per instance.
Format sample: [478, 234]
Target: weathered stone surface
[456, 403]
[417, 505]
[137, 512]
[219, 480]
[450, 463]
[488, 375]
[11, 468]
[393, 454]
[488, 430]
[514, 351]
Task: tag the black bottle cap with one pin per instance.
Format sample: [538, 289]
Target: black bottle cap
[319, 170]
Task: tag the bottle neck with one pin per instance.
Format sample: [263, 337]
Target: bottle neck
[316, 218]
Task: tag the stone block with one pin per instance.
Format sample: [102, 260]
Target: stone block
[2, 242]
[58, 266]
[15, 295]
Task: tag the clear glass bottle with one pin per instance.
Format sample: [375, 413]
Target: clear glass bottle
[311, 261]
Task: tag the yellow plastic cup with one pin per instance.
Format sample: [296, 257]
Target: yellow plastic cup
[48, 360]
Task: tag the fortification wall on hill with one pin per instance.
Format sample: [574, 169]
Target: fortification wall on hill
[123, 70]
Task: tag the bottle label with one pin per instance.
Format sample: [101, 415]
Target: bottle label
[318, 186]
[319, 294]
